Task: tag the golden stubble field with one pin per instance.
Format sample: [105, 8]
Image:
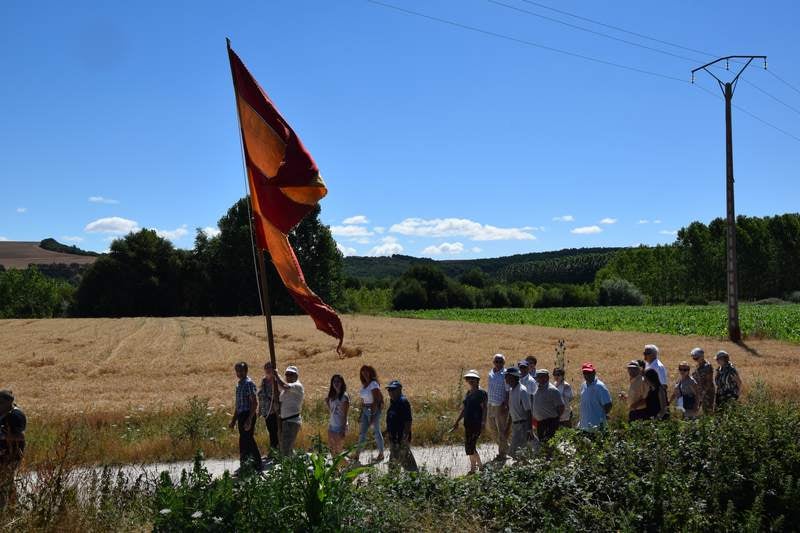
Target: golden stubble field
[65, 366]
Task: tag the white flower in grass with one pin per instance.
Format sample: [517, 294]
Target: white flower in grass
[197, 514]
[217, 520]
[165, 511]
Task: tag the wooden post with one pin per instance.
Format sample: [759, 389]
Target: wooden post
[261, 276]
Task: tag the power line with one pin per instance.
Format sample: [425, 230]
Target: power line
[617, 28]
[643, 36]
[525, 42]
[746, 112]
[601, 34]
[784, 82]
[568, 53]
[771, 96]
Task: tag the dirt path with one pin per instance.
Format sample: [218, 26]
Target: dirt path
[444, 459]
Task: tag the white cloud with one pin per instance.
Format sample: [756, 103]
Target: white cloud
[74, 239]
[390, 246]
[361, 240]
[346, 250]
[444, 248]
[211, 231]
[668, 232]
[102, 200]
[21, 209]
[173, 234]
[564, 218]
[458, 227]
[358, 219]
[351, 231]
[608, 220]
[117, 225]
[586, 230]
[656, 222]
[378, 229]
[3, 238]
[643, 221]
[476, 250]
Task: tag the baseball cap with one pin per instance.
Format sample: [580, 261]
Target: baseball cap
[499, 356]
[633, 364]
[523, 363]
[722, 353]
[513, 371]
[394, 384]
[697, 353]
[472, 374]
[542, 372]
[587, 367]
[292, 370]
[6, 394]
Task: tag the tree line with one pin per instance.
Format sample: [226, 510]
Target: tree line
[692, 269]
[145, 275]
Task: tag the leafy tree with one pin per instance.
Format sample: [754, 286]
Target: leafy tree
[474, 278]
[619, 292]
[231, 265]
[29, 294]
[141, 276]
[409, 294]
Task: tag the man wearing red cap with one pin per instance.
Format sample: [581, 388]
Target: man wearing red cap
[595, 400]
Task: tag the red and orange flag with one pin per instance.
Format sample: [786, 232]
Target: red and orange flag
[285, 185]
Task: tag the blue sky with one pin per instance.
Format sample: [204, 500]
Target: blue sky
[434, 140]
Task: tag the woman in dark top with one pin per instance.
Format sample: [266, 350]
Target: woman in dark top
[474, 415]
[657, 406]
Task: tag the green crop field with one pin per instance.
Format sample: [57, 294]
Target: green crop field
[757, 321]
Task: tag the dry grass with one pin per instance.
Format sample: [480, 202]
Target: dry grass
[62, 366]
[99, 371]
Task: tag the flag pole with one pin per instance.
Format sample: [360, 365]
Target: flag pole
[261, 277]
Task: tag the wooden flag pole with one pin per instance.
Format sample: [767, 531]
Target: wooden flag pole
[261, 277]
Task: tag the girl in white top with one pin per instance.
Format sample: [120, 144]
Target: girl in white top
[338, 404]
[371, 409]
[566, 394]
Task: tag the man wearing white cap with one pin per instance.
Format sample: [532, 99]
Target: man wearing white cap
[498, 405]
[292, 393]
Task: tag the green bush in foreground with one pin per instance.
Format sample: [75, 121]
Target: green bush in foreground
[736, 471]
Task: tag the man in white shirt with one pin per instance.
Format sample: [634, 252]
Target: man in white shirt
[528, 378]
[498, 405]
[519, 407]
[292, 393]
[651, 361]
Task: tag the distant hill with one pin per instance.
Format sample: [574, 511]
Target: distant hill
[21, 254]
[540, 267]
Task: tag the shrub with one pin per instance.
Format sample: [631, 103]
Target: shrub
[516, 298]
[769, 301]
[496, 296]
[794, 297]
[409, 294]
[619, 292]
[459, 296]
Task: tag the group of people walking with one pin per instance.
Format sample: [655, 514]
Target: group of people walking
[280, 402]
[523, 405]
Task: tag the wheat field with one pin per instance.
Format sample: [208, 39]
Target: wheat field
[67, 366]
